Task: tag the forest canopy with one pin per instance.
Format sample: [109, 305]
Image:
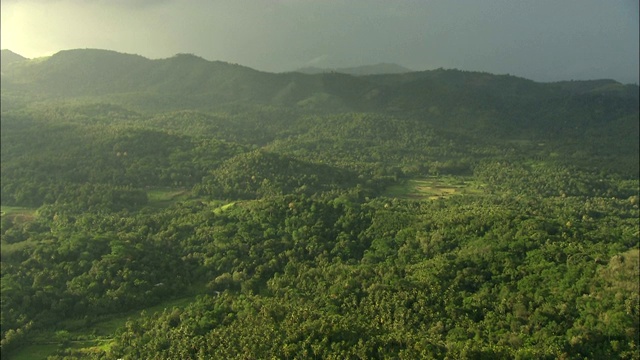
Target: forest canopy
[182, 208]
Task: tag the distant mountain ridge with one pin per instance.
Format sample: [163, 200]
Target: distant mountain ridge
[375, 69]
[450, 98]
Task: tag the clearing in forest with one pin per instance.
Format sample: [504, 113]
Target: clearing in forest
[163, 197]
[90, 338]
[220, 209]
[436, 187]
[17, 213]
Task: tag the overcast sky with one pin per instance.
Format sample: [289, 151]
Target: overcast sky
[543, 40]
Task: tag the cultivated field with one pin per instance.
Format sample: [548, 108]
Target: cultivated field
[433, 188]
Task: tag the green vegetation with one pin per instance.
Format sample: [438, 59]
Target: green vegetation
[184, 209]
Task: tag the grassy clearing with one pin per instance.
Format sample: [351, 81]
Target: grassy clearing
[108, 326]
[9, 249]
[225, 207]
[163, 197]
[9, 210]
[434, 188]
[17, 213]
[96, 336]
[33, 352]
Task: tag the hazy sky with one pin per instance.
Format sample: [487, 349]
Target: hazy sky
[544, 40]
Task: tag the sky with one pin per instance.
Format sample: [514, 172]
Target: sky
[542, 40]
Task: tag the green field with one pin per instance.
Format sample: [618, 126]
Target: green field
[224, 207]
[9, 249]
[163, 197]
[433, 188]
[33, 352]
[75, 334]
[17, 213]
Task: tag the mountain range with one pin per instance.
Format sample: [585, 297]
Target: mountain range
[187, 81]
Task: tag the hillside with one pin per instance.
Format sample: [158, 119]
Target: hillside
[183, 208]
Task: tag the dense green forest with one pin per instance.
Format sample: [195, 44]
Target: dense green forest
[187, 209]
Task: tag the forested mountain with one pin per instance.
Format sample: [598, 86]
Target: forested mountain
[183, 208]
[186, 81]
[376, 69]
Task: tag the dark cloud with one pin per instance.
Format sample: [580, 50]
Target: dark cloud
[133, 3]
